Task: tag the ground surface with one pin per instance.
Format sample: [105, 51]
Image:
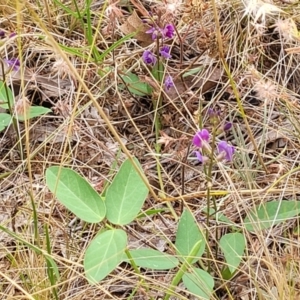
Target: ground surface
[248, 71]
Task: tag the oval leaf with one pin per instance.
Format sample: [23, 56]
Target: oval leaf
[5, 120]
[135, 85]
[104, 254]
[233, 246]
[76, 194]
[188, 234]
[34, 111]
[199, 283]
[126, 195]
[271, 213]
[153, 259]
[5, 95]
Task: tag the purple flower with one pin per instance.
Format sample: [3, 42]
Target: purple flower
[2, 34]
[149, 58]
[165, 52]
[168, 31]
[154, 31]
[201, 158]
[13, 63]
[12, 35]
[227, 126]
[200, 137]
[169, 83]
[225, 150]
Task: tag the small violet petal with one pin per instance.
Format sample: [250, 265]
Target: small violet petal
[169, 83]
[227, 126]
[149, 58]
[154, 32]
[199, 156]
[200, 136]
[226, 150]
[168, 31]
[165, 52]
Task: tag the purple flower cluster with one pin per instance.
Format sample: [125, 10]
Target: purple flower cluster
[149, 57]
[166, 32]
[201, 141]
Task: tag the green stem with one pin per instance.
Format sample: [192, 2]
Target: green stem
[157, 124]
[35, 221]
[209, 186]
[137, 271]
[89, 32]
[14, 120]
[79, 14]
[186, 264]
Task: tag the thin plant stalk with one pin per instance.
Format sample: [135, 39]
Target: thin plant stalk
[50, 269]
[157, 124]
[14, 120]
[35, 221]
[233, 85]
[208, 197]
[182, 270]
[137, 271]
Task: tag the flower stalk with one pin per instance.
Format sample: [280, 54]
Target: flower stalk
[207, 146]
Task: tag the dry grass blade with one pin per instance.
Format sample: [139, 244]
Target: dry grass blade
[243, 63]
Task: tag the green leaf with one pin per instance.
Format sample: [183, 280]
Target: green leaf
[34, 111]
[52, 267]
[104, 254]
[219, 217]
[188, 234]
[135, 85]
[76, 194]
[153, 259]
[226, 274]
[126, 194]
[5, 95]
[222, 218]
[271, 213]
[199, 283]
[233, 246]
[192, 71]
[5, 120]
[150, 212]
